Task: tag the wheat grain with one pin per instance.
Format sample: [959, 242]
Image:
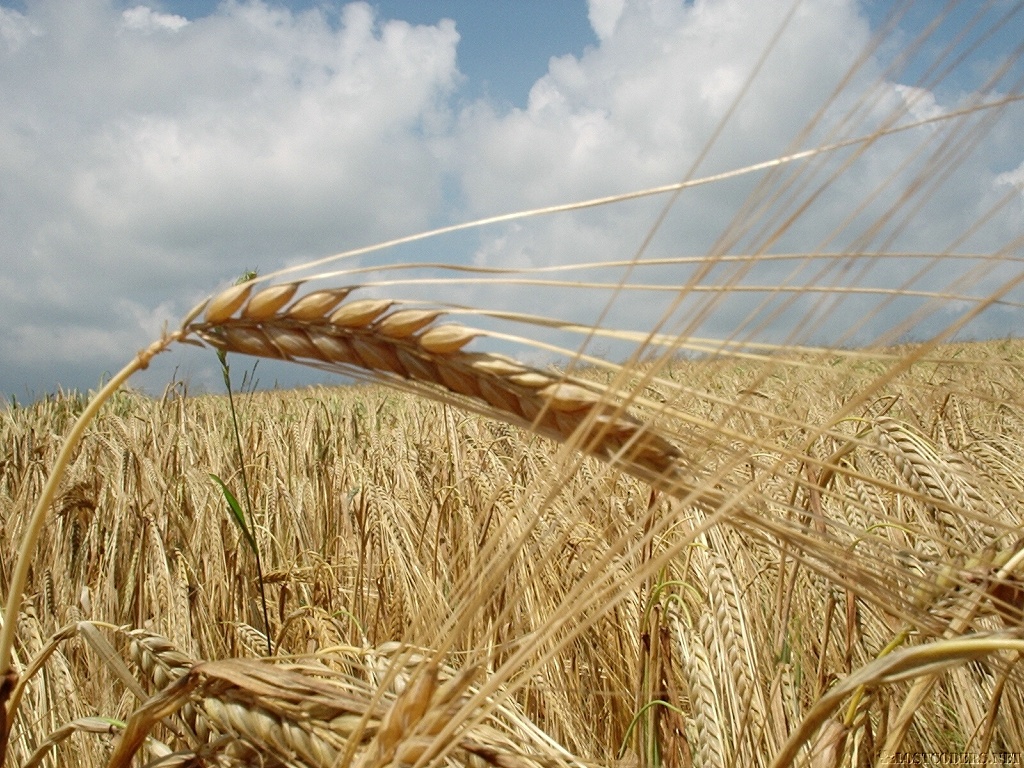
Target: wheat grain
[250, 712]
[920, 465]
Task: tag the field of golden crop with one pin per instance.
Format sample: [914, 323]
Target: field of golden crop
[572, 615]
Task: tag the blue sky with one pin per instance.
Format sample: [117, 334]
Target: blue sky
[151, 151]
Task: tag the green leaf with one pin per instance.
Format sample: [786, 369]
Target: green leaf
[236, 512]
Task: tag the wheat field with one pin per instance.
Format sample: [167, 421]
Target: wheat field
[520, 540]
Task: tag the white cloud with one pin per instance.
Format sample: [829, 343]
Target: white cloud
[144, 19]
[146, 158]
[638, 110]
[920, 103]
[154, 157]
[15, 29]
[1014, 178]
[318, 125]
[604, 15]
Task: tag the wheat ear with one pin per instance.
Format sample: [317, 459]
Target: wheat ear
[322, 329]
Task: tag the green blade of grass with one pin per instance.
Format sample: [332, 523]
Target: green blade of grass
[236, 512]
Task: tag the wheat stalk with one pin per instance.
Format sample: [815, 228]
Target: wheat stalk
[407, 344]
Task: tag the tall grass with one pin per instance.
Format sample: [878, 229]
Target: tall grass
[742, 549]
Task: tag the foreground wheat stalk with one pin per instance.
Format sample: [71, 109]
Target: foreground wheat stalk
[410, 345]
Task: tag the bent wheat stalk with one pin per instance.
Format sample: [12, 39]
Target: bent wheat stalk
[409, 345]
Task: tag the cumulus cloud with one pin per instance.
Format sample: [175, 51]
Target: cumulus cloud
[319, 124]
[15, 29]
[638, 109]
[680, 89]
[1014, 177]
[604, 15]
[145, 19]
[146, 158]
